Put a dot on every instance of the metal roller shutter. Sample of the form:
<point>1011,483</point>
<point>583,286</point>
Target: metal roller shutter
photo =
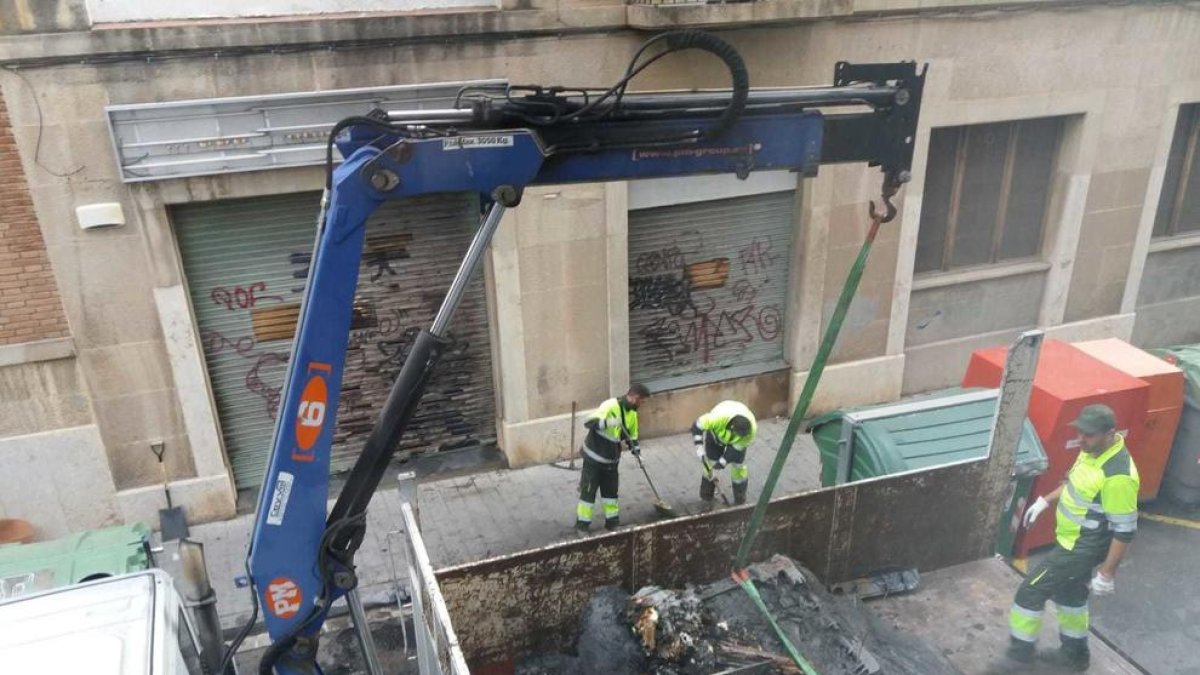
<point>708,289</point>
<point>246,261</point>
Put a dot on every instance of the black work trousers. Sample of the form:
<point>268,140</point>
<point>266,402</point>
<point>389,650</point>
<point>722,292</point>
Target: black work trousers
<point>605,478</point>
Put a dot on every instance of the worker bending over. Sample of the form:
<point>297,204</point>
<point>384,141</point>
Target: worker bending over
<point>612,427</point>
<point>721,437</point>
<point>1096,520</point>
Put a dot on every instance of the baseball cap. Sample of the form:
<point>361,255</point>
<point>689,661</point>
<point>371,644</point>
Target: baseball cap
<point>1095,419</point>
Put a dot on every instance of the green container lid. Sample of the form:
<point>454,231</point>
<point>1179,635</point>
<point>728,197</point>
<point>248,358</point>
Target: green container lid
<point>27,568</point>
<point>1187,359</point>
<point>926,431</point>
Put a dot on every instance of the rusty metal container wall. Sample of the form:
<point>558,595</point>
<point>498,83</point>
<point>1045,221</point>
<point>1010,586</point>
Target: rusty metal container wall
<point>509,606</point>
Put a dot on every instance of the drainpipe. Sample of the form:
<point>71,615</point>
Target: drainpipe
<point>191,580</point>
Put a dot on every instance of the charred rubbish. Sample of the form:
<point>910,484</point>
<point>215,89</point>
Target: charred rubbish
<point>716,628</point>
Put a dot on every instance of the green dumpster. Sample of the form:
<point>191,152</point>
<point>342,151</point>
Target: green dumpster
<point>930,430</point>
<point>27,568</point>
<point>1181,480</point>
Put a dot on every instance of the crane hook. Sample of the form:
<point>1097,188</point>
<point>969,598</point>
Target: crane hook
<point>889,190</point>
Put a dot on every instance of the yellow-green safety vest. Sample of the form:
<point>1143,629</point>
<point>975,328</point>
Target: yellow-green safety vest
<point>1099,499</point>
<point>716,421</point>
<point>611,419</point>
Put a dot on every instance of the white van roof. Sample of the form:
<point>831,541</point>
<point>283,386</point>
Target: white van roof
<point>104,627</point>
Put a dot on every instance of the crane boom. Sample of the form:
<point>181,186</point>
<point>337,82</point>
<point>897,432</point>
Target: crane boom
<point>495,143</point>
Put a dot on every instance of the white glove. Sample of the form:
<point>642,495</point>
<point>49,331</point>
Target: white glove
<point>700,451</point>
<point>1103,585</point>
<point>1034,510</point>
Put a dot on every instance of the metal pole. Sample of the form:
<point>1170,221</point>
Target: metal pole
<point>572,449</point>
<point>470,262</point>
<point>1016,388</point>
<point>867,94</point>
<point>635,105</point>
<point>362,630</point>
<point>406,490</point>
<point>438,633</point>
<point>427,662</point>
<point>184,560</point>
<point>437,116</point>
<point>845,450</point>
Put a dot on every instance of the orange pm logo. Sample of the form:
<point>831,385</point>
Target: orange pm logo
<point>283,598</point>
<point>310,416</point>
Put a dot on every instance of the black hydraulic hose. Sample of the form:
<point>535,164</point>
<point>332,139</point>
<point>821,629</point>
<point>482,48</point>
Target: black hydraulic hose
<point>675,41</point>
<point>243,633</point>
<point>558,114</point>
<point>375,123</point>
<point>694,39</point>
<point>284,644</point>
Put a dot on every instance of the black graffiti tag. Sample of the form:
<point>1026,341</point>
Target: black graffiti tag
<point>706,333</point>
<point>671,292</point>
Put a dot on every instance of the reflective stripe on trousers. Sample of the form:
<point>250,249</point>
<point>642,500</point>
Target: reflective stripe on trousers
<point>1024,624</point>
<point>1073,621</point>
<point>583,511</point>
<point>611,510</point>
<point>739,473</point>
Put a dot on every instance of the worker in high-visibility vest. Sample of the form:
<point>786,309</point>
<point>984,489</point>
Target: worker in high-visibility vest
<point>611,427</point>
<point>721,437</point>
<point>1096,520</point>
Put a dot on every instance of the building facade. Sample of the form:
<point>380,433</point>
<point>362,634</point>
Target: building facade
<point>1056,184</point>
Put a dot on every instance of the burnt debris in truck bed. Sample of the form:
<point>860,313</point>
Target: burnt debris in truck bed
<point>715,628</point>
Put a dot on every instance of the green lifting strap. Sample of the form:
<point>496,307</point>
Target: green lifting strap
<point>785,446</point>
<point>810,387</point>
<point>789,436</point>
<point>748,585</point>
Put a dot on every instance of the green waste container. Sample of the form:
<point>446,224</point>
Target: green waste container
<point>1181,480</point>
<point>948,426</point>
<point>83,556</point>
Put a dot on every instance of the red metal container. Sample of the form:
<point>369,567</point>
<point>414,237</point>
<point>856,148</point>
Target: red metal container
<point>1150,444</point>
<point>1067,379</point>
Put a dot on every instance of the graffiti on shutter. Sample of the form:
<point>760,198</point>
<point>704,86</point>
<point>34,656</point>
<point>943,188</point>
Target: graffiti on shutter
<point>247,262</point>
<point>708,287</point>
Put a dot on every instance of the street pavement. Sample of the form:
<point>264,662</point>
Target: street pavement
<point>478,516</point>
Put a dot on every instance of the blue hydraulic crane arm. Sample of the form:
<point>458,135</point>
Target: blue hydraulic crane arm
<point>301,560</point>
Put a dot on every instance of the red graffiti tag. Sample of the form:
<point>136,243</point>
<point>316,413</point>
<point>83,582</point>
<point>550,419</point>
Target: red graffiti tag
<point>242,297</point>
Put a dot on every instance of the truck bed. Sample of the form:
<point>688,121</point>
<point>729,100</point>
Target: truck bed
<point>963,609</point>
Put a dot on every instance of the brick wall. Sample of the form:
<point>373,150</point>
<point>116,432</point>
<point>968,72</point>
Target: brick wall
<point>30,309</point>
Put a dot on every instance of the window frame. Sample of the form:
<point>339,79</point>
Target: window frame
<point>1012,140</point>
<point>1176,193</point>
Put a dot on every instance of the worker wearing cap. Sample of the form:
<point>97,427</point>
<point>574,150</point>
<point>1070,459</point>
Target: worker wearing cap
<point>613,426</point>
<point>722,436</point>
<point>1096,521</point>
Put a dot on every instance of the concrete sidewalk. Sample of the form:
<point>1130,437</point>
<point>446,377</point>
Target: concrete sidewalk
<point>1154,617</point>
<point>469,518</point>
